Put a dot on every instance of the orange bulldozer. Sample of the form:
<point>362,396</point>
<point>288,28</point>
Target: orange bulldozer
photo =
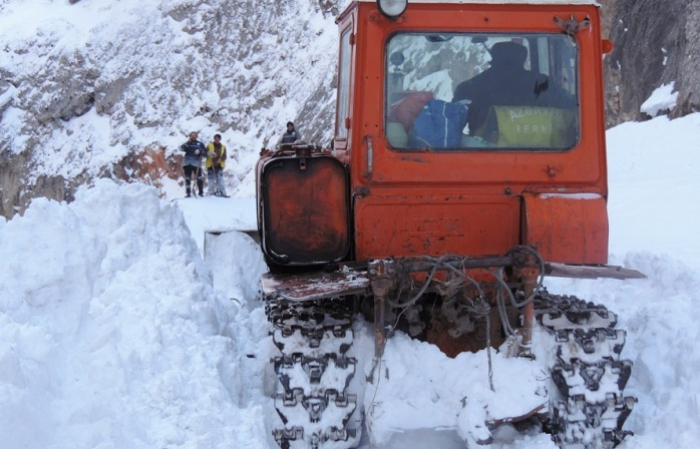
<point>467,163</point>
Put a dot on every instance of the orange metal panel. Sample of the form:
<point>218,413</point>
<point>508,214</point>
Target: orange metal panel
<point>435,225</point>
<point>567,228</point>
<point>408,211</point>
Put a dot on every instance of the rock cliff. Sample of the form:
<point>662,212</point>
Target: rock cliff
<point>656,43</point>
<point>92,89</point>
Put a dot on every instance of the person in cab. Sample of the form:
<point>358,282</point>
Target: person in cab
<point>507,83</point>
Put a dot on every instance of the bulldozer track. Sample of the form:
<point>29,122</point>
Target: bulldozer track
<point>313,372</point>
<point>588,408</point>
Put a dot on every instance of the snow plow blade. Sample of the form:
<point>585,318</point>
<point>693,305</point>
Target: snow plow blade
<point>590,271</point>
<point>348,281</point>
<point>314,286</point>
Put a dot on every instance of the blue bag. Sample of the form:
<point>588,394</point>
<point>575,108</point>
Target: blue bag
<point>439,125</point>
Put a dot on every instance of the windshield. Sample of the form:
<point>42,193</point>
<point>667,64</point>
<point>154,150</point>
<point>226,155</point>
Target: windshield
<point>461,91</point>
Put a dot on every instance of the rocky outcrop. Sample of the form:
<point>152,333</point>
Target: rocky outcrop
<point>656,43</point>
<point>151,167</point>
<point>16,193</point>
<point>79,101</point>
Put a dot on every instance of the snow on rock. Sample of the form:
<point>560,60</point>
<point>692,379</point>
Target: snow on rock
<point>662,99</point>
<point>82,85</point>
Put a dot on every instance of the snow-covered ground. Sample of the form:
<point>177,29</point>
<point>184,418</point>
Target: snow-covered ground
<point>116,332</point>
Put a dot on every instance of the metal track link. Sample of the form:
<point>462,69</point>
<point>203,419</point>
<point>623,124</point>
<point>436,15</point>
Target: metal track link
<point>314,373</point>
<point>587,371</point>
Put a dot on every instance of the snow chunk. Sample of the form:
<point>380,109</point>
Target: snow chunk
<point>661,99</point>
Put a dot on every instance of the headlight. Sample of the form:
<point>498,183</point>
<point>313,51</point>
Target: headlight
<point>392,8</point>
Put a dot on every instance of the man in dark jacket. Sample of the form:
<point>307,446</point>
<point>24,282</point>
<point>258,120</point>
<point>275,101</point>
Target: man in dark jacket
<point>192,165</point>
<point>290,136</point>
<point>507,83</point>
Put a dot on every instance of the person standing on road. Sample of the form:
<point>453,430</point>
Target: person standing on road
<point>216,160</point>
<point>192,165</point>
<point>290,136</point>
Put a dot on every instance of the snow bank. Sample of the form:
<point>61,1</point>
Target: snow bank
<point>653,176</point>
<point>112,335</point>
<point>237,265</point>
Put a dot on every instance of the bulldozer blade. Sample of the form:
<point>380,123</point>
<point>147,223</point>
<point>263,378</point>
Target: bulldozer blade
<point>590,271</point>
<point>314,286</point>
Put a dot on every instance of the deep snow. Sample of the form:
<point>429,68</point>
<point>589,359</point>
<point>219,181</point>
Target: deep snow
<point>116,332</point>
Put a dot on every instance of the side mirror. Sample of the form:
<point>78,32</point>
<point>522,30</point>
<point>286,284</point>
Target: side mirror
<point>608,46</point>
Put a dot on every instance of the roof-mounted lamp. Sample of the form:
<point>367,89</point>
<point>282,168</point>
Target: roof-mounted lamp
<point>392,8</point>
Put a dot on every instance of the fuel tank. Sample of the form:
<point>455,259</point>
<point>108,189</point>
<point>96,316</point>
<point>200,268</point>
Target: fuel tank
<point>303,210</point>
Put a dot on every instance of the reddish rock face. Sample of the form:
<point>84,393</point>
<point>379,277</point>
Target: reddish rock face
<point>150,167</point>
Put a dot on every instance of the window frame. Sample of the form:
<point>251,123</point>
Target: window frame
<point>343,102</point>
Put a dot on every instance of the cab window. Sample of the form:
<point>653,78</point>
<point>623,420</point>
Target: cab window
<point>464,92</point>
<point>342,111</point>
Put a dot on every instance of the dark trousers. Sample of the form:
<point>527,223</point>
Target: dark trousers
<point>192,170</point>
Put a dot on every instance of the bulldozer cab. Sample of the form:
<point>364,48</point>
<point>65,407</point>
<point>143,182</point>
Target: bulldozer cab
<point>471,127</point>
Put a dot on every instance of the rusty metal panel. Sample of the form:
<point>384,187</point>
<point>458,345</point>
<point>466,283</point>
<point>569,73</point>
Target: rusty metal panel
<point>314,286</point>
<point>567,228</point>
<point>305,211</point>
<point>402,226</point>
